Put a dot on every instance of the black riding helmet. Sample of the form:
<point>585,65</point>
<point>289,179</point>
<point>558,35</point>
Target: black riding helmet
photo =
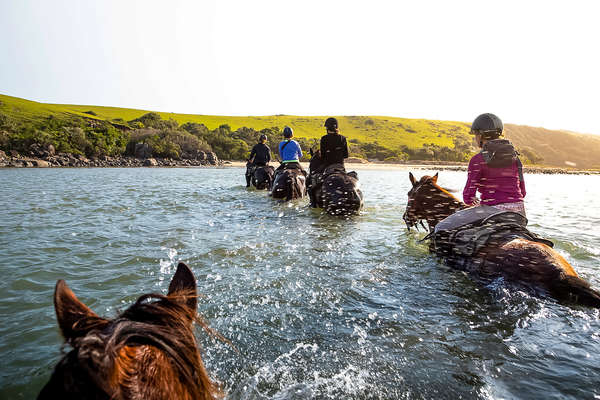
<point>488,126</point>
<point>331,124</point>
<point>263,137</point>
<point>287,132</point>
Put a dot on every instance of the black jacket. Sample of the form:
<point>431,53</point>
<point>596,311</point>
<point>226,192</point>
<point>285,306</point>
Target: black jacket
<point>334,149</point>
<point>261,154</point>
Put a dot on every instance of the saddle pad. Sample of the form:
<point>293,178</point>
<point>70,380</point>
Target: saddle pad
<point>467,216</point>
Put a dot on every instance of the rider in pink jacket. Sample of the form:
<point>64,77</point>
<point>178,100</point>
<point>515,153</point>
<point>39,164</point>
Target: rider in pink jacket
<point>496,171</point>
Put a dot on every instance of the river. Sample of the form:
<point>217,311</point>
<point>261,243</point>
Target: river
<point>318,307</point>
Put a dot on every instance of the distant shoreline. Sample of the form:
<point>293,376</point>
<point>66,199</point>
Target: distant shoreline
<point>71,161</point>
<point>440,167</point>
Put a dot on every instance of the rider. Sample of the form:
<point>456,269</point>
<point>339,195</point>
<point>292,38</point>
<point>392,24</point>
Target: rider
<point>334,148</point>
<point>496,171</point>
<point>259,156</point>
<point>290,152</point>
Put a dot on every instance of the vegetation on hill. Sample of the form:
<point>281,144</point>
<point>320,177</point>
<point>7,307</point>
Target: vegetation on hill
<point>95,130</point>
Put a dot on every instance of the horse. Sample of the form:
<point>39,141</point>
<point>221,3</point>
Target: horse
<point>333,189</point>
<point>289,184</point>
<point>263,176</point>
<point>518,260</point>
<point>148,352</point>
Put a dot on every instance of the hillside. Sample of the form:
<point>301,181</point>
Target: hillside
<point>371,136</point>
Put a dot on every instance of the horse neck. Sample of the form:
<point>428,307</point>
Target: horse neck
<point>443,205</point>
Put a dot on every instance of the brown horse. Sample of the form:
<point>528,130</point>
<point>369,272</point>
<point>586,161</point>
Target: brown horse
<point>289,184</point>
<point>528,263</point>
<point>332,188</point>
<point>147,352</point>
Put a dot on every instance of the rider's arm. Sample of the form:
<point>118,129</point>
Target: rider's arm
<point>522,187</point>
<point>299,151</point>
<point>268,154</point>
<point>474,176</point>
<point>252,153</point>
<point>323,148</point>
<point>345,148</point>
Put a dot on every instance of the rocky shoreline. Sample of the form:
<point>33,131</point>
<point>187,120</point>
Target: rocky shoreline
<point>47,157</point>
<point>526,169</point>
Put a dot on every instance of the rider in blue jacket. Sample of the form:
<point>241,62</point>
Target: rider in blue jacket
<point>289,152</point>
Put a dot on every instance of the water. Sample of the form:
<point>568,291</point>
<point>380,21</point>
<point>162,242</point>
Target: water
<point>318,307</point>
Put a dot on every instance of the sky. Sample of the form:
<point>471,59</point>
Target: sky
<point>529,62</point>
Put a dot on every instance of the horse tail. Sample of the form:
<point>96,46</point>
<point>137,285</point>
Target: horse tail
<point>574,289</point>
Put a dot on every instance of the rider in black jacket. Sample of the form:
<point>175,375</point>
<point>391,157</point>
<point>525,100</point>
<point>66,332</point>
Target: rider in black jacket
<point>259,156</point>
<point>334,147</point>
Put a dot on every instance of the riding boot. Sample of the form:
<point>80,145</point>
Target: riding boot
<point>247,180</point>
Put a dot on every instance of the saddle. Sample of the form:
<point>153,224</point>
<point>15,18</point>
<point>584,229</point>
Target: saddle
<point>317,178</point>
<point>467,231</point>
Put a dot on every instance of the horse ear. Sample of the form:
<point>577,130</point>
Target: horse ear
<point>184,281</point>
<point>310,151</point>
<point>72,315</point>
<point>434,179</point>
<point>412,178</point>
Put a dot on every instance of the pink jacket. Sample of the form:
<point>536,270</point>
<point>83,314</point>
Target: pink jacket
<point>496,185</point>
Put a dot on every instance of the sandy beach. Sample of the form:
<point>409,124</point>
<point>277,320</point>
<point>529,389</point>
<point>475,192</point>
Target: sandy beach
<point>440,167</point>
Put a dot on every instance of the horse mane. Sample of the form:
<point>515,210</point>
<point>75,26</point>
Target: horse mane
<point>446,193</point>
<point>166,324</point>
<point>148,351</point>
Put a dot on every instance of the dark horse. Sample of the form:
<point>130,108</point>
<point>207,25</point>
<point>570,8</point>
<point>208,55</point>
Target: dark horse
<point>289,184</point>
<point>332,188</point>
<point>262,177</point>
<point>532,264</point>
<point>147,352</point>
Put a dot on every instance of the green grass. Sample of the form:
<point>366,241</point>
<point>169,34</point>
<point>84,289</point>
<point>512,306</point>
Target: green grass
<point>557,148</point>
<point>389,131</point>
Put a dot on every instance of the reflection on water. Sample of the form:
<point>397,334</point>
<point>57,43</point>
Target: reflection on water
<point>318,307</point>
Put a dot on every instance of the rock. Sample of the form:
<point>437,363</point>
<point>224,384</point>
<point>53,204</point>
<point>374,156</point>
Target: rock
<point>150,162</point>
<point>142,150</point>
<point>14,153</point>
<point>212,158</point>
<point>35,150</point>
<point>2,155</point>
<point>41,163</point>
<point>50,150</point>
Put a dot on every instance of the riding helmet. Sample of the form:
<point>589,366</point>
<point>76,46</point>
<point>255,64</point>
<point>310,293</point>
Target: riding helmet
<point>331,124</point>
<point>287,132</point>
<point>487,125</point>
<point>263,137</point>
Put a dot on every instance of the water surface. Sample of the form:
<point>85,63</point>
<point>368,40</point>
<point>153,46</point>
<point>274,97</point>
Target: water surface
<point>318,307</point>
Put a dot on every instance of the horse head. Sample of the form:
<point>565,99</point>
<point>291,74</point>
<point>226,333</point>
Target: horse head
<point>428,201</point>
<point>148,352</point>
<point>263,177</point>
<point>315,160</point>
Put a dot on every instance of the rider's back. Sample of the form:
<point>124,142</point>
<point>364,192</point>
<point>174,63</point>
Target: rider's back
<point>496,185</point>
<point>261,154</point>
<point>334,149</point>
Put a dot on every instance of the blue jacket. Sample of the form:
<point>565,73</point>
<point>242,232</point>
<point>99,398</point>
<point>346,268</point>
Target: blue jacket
<point>291,152</point>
